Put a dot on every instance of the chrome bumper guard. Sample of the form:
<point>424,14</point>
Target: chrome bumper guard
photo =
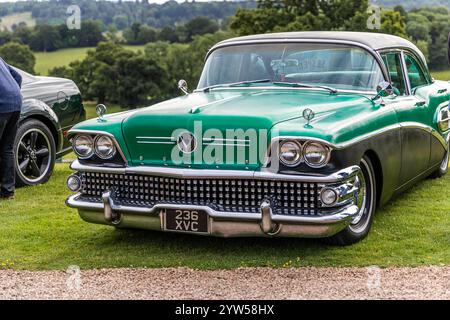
<point>228,224</point>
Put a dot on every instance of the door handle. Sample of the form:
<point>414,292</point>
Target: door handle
<point>420,104</point>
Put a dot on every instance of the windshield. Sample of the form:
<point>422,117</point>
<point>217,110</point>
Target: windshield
<point>338,66</point>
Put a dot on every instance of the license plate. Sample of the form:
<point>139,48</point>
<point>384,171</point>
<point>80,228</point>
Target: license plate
<point>195,221</point>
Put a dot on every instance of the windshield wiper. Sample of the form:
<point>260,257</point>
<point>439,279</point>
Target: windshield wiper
<point>235,84</point>
<point>304,85</point>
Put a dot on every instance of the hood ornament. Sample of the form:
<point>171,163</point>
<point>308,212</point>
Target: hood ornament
<point>308,115</point>
<point>101,111</point>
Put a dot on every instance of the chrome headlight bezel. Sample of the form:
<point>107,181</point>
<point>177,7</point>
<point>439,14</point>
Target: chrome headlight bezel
<point>298,150</point>
<point>75,147</point>
<point>326,158</point>
<point>112,146</point>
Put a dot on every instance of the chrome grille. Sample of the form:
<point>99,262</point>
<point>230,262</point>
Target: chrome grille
<point>228,195</point>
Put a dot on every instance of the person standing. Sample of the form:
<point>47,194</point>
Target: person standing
<point>10,106</point>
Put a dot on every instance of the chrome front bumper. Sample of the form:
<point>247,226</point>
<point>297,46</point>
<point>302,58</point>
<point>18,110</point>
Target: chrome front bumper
<point>228,224</point>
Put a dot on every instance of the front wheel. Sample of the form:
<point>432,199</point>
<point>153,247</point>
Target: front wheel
<point>443,167</point>
<point>35,153</point>
<point>362,222</point>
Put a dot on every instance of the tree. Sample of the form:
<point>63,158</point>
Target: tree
<point>393,23</point>
<point>301,15</point>
<point>45,38</point>
<point>168,34</point>
<point>418,27</point>
<point>114,74</point>
<point>112,34</point>
<point>259,21</point>
<point>18,55</point>
<point>200,26</point>
<point>146,35</point>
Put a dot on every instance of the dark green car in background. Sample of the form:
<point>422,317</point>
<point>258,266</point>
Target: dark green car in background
<point>51,106</point>
<point>296,134</point>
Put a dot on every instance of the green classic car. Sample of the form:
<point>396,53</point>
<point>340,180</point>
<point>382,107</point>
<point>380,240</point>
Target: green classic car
<point>297,134</point>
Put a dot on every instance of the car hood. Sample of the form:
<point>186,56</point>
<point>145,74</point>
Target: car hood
<point>239,122</point>
<point>47,88</point>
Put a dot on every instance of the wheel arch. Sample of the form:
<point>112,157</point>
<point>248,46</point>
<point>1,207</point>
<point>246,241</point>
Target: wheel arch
<point>378,170</point>
<point>49,124</point>
<point>38,110</point>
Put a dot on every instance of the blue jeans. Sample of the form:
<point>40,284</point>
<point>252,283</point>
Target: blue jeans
<point>9,123</point>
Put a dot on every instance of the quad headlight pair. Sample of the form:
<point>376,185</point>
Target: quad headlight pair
<point>85,146</point>
<point>314,154</point>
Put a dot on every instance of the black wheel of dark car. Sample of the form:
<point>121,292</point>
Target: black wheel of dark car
<point>361,224</point>
<point>34,153</point>
<point>443,167</point>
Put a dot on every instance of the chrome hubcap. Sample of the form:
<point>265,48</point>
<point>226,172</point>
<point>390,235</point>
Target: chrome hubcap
<point>33,155</point>
<point>444,164</point>
<point>362,219</point>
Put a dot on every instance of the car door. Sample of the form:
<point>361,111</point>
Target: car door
<point>411,113</point>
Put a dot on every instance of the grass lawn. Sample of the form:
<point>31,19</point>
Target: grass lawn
<point>441,75</point>
<point>48,60</point>
<point>39,232</point>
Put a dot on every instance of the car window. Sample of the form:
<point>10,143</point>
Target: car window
<point>393,62</point>
<point>339,66</point>
<point>415,74</point>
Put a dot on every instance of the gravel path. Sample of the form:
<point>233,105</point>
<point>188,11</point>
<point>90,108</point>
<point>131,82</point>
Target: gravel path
<point>244,283</point>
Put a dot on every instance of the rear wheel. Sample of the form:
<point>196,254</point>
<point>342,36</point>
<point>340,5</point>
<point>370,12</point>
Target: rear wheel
<point>35,153</point>
<point>362,222</point>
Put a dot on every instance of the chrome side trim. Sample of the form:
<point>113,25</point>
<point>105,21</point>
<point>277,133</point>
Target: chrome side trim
<point>98,132</point>
<point>405,73</point>
<point>219,174</point>
<point>343,214</point>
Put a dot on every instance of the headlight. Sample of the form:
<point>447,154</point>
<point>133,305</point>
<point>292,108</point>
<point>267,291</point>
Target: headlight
<point>316,154</point>
<point>290,153</point>
<point>328,196</point>
<point>74,183</point>
<point>83,146</point>
<point>105,147</point>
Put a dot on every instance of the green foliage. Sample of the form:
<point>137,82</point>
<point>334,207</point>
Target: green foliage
<point>200,26</point>
<point>393,23</point>
<point>301,15</point>
<point>429,28</point>
<point>18,55</point>
<point>412,4</point>
<point>45,38</point>
<point>122,14</point>
<point>182,61</point>
<point>139,34</point>
<point>113,73</point>
<point>50,38</point>
<point>261,20</point>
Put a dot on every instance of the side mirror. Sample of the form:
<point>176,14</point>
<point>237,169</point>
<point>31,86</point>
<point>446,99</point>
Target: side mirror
<point>182,85</point>
<point>384,89</point>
